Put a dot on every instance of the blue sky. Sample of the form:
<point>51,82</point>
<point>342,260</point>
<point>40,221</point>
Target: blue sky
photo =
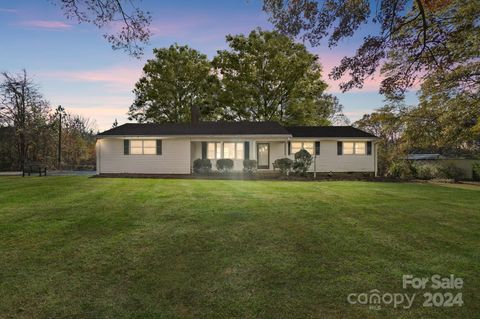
<point>75,67</point>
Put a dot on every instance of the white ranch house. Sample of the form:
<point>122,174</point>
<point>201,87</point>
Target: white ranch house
<point>172,148</point>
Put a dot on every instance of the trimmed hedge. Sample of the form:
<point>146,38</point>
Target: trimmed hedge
<point>284,165</point>
<point>202,166</point>
<point>249,166</point>
<point>224,165</point>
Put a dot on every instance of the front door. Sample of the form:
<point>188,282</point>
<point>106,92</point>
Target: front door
<point>263,155</point>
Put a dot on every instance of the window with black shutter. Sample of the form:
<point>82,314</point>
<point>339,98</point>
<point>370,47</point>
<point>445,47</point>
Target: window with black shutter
<point>369,148</point>
<point>246,149</point>
<point>289,147</point>
<point>204,150</point>
<point>339,148</point>
<point>159,147</point>
<point>317,148</point>
<point>126,147</point>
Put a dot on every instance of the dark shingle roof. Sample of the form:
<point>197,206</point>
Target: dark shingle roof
<point>233,128</point>
<point>202,128</point>
<point>327,131</point>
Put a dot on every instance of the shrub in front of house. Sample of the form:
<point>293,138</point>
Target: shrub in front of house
<point>284,165</point>
<point>302,163</point>
<point>224,165</point>
<point>202,166</point>
<point>249,166</point>
<point>451,171</point>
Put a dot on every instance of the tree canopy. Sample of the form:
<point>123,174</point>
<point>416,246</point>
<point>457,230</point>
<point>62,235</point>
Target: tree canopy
<point>264,76</point>
<point>414,40</point>
<point>267,76</point>
<point>175,80</point>
<point>132,23</point>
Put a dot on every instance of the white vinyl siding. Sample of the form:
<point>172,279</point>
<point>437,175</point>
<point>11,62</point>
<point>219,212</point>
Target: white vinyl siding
<point>329,161</point>
<point>175,158</point>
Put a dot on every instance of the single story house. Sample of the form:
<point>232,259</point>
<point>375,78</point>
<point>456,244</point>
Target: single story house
<point>171,148</point>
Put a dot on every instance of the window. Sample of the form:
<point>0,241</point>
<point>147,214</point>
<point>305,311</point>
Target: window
<point>297,146</point>
<point>348,148</point>
<point>143,147</point>
<point>229,150</point>
<point>360,148</point>
<point>308,147</point>
<point>239,148</point>
<point>219,150</point>
<point>150,147</point>
<point>354,148</point>
<point>211,150</point>
<point>136,147</point>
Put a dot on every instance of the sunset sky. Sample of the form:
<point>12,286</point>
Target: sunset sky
<point>75,67</point>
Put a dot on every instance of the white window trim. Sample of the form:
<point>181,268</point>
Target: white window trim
<point>143,147</point>
<point>303,147</point>
<point>354,148</point>
<point>222,154</point>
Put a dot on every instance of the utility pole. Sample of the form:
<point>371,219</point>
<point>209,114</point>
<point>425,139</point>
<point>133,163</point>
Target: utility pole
<point>60,110</point>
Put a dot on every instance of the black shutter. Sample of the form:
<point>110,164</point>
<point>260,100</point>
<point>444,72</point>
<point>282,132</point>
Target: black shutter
<point>289,148</point>
<point>369,148</point>
<point>339,148</point>
<point>246,149</point>
<point>204,150</point>
<point>159,147</point>
<point>317,148</point>
<point>126,147</point>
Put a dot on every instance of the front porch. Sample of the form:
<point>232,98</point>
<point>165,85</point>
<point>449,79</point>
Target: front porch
<point>264,151</point>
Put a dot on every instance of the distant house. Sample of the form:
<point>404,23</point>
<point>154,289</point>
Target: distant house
<point>464,164</point>
<point>172,148</point>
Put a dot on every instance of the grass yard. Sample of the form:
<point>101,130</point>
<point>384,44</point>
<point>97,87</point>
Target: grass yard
<point>80,247</point>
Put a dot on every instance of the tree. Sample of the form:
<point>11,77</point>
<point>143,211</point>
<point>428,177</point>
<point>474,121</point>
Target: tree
<point>447,120</point>
<point>78,141</point>
<point>387,124</point>
<point>416,34</point>
<point>29,128</point>
<point>23,108</point>
<point>265,76</point>
<point>131,22</point>
<point>175,80</point>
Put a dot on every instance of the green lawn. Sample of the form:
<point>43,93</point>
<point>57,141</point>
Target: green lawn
<point>81,247</point>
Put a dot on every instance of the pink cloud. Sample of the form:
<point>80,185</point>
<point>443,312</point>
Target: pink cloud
<point>101,109</point>
<point>330,60</point>
<point>123,78</point>
<point>45,24</point>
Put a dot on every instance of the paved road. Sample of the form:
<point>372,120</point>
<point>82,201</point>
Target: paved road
<point>53,173</point>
